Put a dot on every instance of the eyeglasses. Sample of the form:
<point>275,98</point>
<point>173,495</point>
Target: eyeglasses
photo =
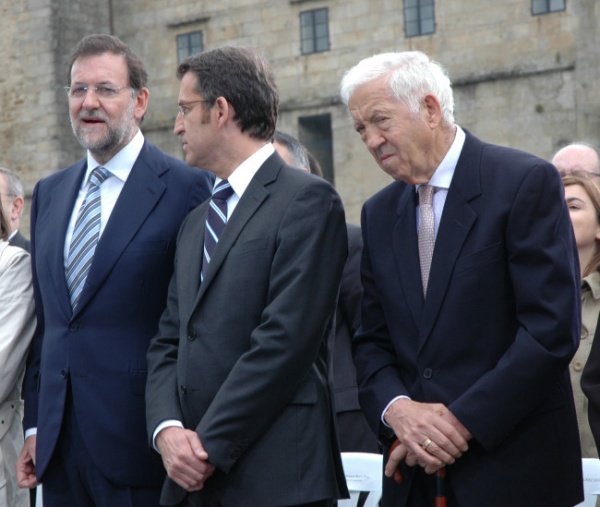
<point>101,91</point>
<point>185,108</point>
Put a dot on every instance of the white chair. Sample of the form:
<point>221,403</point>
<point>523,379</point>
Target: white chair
<point>591,482</point>
<point>38,496</point>
<point>364,472</point>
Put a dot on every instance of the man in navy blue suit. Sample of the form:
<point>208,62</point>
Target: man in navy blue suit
<point>84,387</point>
<point>462,356</point>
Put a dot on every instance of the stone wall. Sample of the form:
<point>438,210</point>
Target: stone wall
<point>530,82</point>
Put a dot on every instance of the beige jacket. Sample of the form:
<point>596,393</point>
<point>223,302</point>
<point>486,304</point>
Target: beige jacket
<point>590,309</point>
<point>17,324</point>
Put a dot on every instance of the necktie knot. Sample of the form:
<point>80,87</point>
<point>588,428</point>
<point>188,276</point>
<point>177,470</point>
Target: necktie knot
<point>216,219</point>
<point>222,191</point>
<point>426,195</point>
<point>99,175</point>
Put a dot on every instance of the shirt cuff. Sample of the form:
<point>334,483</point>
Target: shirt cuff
<point>389,405</point>
<point>168,423</point>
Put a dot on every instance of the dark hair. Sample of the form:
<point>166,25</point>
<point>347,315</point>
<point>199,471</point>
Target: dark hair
<point>4,229</point>
<point>243,77</point>
<point>98,44</point>
<point>314,165</point>
<point>298,152</point>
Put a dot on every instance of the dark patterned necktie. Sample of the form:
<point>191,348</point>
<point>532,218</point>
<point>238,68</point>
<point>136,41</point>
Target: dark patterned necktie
<point>216,219</point>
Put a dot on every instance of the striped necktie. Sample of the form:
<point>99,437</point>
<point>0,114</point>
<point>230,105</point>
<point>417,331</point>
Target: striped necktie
<point>85,236</point>
<point>216,219</point>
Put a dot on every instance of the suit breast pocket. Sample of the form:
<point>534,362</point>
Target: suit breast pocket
<point>252,247</point>
<point>482,258</point>
<point>157,246</point>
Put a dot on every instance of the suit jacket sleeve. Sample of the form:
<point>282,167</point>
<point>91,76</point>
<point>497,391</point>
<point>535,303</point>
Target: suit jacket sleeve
<point>543,268</point>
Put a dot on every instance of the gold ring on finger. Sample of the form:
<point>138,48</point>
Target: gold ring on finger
<point>425,444</point>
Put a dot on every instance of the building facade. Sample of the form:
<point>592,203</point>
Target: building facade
<point>525,72</point>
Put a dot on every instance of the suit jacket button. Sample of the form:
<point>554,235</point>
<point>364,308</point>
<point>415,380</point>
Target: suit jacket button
<point>427,373</point>
<point>191,336</point>
<point>63,373</point>
<point>74,326</point>
<point>183,389</point>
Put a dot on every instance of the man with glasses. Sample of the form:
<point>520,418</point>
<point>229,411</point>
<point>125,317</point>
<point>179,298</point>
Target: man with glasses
<point>103,239</point>
<point>12,198</point>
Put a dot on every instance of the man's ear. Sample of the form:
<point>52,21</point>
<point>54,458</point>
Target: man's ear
<point>433,110</point>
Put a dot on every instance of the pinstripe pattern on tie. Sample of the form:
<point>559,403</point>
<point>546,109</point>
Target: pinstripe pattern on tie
<point>216,218</point>
<point>426,232</point>
<point>85,236</point>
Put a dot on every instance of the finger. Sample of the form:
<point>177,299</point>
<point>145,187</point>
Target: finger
<point>394,459</point>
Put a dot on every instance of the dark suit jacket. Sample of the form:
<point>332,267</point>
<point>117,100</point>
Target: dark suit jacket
<point>101,347</point>
<point>495,335</point>
<point>242,358</point>
<point>355,434</point>
<point>21,241</point>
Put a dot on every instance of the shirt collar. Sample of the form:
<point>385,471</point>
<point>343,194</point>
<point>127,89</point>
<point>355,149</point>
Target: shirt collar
<point>122,163</point>
<point>442,177</point>
<point>242,175</point>
<point>593,282</point>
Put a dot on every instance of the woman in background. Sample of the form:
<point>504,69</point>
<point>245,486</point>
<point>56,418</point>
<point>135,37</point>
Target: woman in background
<point>583,200</point>
<point>17,323</point>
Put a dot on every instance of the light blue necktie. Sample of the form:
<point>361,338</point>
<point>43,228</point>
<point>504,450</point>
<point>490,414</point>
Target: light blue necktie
<point>85,236</point>
<point>216,219</point>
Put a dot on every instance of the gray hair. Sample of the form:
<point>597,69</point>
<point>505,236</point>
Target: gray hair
<point>411,75</point>
<point>15,187</point>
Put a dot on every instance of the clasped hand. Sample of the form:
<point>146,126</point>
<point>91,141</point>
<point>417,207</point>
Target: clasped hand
<point>184,457</point>
<point>429,435</point>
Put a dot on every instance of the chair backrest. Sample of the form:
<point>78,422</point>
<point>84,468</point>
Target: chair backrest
<point>364,473</point>
<point>591,482</point>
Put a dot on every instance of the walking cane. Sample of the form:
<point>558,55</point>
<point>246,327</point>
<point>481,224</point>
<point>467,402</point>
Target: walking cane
<point>440,476</point>
<point>440,493</point>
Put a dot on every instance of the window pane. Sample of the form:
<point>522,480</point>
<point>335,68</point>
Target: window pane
<point>411,15</point>
<point>557,5</point>
<point>412,28</point>
<point>539,6</point>
<point>321,31</point>
<point>307,32</point>
<point>308,46</point>
<point>427,12</point>
<point>322,44</point>
<point>411,3</point>
<point>427,26</point>
<point>306,18</point>
<point>321,16</point>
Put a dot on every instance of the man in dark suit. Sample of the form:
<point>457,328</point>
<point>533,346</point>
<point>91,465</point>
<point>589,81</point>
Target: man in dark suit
<point>354,432</point>
<point>462,357</point>
<point>237,397</point>
<point>84,387</point>
<point>12,199</point>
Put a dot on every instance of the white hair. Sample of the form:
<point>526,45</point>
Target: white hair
<point>411,76</point>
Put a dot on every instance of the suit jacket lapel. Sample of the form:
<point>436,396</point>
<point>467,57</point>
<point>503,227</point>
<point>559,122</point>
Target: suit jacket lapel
<point>253,197</point>
<point>406,252</point>
<point>142,190</point>
<point>457,220</point>
<point>62,199</point>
